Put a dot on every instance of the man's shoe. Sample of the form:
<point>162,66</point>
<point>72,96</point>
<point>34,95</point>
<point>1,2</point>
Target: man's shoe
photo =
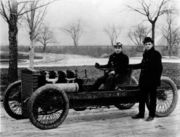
<point>149,118</point>
<point>138,116</point>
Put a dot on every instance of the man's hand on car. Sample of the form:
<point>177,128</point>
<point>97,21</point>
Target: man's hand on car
<point>97,65</point>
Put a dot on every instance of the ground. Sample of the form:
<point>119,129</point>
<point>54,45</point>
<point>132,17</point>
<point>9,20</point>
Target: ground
<point>101,122</point>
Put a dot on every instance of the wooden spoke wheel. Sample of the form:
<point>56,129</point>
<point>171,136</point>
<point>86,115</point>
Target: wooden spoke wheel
<point>166,97</point>
<point>12,100</point>
<point>48,107</point>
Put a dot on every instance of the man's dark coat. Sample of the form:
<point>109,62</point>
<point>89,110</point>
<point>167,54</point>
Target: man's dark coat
<point>151,69</point>
<point>119,62</point>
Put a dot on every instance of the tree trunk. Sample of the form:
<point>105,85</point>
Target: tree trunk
<point>170,41</point>
<point>31,55</point>
<point>153,32</point>
<point>170,50</point>
<point>13,49</point>
<point>75,43</point>
<point>112,42</point>
<point>44,47</point>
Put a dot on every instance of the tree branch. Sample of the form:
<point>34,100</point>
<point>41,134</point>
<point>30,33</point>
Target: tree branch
<point>3,13</point>
<point>159,12</point>
<point>137,10</point>
<point>20,14</point>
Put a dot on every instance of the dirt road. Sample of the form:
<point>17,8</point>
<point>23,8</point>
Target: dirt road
<point>102,122</point>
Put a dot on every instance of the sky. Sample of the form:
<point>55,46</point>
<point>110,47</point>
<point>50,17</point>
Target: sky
<point>95,15</point>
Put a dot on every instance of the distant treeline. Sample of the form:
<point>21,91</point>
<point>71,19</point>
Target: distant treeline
<point>95,51</point>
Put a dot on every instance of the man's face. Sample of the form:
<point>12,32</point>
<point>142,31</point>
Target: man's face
<point>117,49</point>
<point>148,45</point>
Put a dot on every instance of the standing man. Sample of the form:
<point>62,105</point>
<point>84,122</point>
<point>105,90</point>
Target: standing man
<point>151,70</point>
<point>117,66</point>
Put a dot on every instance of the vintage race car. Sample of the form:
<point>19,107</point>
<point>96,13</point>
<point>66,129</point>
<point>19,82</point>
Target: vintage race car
<point>45,97</point>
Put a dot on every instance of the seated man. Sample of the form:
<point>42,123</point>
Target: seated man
<point>117,66</point>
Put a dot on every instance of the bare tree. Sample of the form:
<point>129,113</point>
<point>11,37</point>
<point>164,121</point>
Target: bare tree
<point>34,19</point>
<point>138,34</point>
<point>11,11</point>
<point>75,31</point>
<point>113,33</point>
<point>152,9</point>
<point>171,33</point>
<point>45,37</point>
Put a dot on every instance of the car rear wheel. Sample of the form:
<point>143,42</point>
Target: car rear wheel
<point>167,97</point>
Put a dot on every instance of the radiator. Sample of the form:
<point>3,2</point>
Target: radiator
<point>30,82</point>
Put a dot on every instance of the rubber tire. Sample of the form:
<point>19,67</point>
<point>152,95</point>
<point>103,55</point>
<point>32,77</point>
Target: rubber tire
<point>6,100</point>
<point>174,101</point>
<point>31,104</point>
<point>124,106</point>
